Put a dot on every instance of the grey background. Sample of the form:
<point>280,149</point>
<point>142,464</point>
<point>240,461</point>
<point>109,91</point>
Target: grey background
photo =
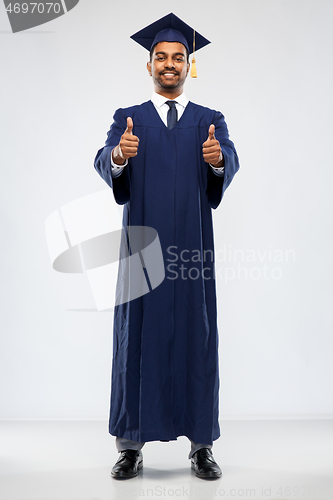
<point>269,70</point>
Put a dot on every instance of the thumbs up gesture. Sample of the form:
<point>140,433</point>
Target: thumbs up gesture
<point>128,145</point>
<point>211,149</point>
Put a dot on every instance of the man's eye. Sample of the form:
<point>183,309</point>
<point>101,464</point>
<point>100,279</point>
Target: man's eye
<point>179,59</point>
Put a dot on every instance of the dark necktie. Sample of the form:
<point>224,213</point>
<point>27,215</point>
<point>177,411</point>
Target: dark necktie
<point>172,114</point>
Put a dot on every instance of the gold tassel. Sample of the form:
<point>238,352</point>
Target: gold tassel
<point>193,67</point>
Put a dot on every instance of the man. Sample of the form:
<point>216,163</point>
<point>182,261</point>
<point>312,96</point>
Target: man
<point>169,162</point>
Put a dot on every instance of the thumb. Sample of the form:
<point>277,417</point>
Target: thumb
<point>129,125</point>
<point>211,132</point>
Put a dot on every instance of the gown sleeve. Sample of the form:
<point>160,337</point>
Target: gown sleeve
<point>102,163</point>
<point>216,186</point>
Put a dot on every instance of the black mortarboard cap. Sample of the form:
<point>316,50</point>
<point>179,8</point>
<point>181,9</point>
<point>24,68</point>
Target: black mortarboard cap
<point>170,29</point>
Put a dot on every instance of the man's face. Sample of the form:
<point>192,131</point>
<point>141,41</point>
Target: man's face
<point>169,66</point>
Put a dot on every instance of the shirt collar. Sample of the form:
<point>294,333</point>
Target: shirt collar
<point>158,100</point>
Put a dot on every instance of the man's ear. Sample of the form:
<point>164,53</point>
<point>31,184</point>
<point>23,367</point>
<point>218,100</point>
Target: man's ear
<point>188,68</point>
<point>149,67</point>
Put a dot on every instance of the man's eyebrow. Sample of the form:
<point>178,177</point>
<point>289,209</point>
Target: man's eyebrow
<point>175,54</point>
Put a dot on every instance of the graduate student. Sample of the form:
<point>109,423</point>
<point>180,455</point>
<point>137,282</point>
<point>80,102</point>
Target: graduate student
<point>169,162</point>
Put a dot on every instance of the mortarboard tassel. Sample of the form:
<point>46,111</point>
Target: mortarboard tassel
<point>193,67</point>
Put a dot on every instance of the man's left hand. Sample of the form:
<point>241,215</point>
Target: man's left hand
<point>211,149</point>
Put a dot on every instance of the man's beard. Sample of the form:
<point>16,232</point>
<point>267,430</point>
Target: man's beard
<point>165,84</point>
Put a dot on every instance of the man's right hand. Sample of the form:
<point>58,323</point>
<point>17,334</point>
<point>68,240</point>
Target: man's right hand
<point>128,145</point>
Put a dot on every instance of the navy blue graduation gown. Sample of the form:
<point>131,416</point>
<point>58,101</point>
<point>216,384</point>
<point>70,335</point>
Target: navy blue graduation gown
<point>165,376</point>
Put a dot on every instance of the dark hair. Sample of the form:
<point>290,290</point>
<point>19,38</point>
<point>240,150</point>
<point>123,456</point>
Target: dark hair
<point>153,48</point>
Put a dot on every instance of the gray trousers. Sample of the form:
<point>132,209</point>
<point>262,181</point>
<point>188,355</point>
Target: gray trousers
<point>125,444</point>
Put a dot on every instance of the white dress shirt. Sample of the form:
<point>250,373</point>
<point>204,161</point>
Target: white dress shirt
<point>162,109</point>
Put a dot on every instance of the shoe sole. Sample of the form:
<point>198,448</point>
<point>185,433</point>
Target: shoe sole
<point>128,476</point>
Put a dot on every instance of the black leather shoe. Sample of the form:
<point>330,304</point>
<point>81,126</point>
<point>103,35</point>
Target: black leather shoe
<point>128,464</point>
<point>204,465</point>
